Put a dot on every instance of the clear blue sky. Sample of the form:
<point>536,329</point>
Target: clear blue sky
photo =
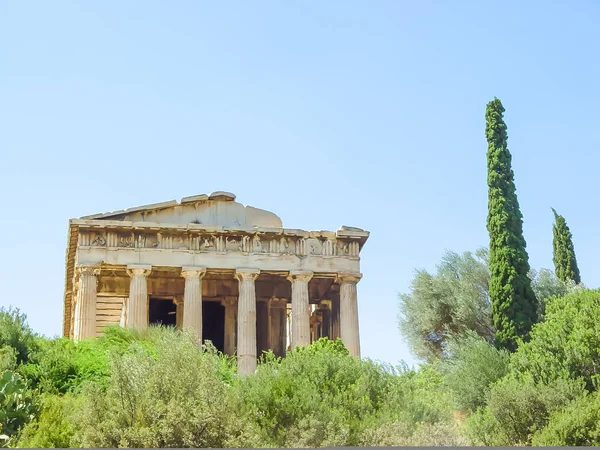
<point>363,113</point>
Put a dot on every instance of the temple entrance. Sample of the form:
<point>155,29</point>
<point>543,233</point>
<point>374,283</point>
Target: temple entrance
<point>213,324</point>
<point>162,311</point>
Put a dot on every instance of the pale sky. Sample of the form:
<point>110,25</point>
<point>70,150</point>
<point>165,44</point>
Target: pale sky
<point>367,114</point>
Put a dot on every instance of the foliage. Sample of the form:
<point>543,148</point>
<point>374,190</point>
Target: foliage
<point>455,300</point>
<point>557,366</point>
<point>320,396</point>
<point>517,409</point>
<point>8,359</point>
<point>446,304</point>
<point>576,425</point>
<point>567,344</point>
<point>174,396</point>
<point>472,367</point>
<point>15,333</point>
<point>55,425</point>
<point>16,403</point>
<point>61,365</point>
<point>398,434</point>
<point>514,305</point>
<point>565,262</point>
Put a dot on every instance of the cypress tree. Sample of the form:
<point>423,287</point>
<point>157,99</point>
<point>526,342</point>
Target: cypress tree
<point>565,263</point>
<point>514,305</point>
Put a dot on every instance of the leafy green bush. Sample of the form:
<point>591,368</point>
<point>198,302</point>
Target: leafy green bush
<point>518,408</point>
<point>320,396</point>
<point>55,426</point>
<point>472,366</point>
<point>15,333</point>
<point>8,359</point>
<point>61,365</point>
<point>567,344</point>
<point>576,425</point>
<point>174,395</point>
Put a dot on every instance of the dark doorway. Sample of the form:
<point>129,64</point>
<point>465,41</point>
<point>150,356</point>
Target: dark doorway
<point>162,312</point>
<point>213,324</point>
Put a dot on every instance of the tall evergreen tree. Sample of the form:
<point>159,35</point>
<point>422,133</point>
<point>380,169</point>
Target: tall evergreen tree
<point>565,263</point>
<point>514,305</point>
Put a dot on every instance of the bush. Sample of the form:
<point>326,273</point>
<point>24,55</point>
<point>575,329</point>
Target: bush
<point>54,427</point>
<point>61,365</point>
<point>567,344</point>
<point>15,333</point>
<point>320,396</point>
<point>576,425</point>
<point>8,359</point>
<point>174,395</point>
<point>472,367</point>
<point>517,409</point>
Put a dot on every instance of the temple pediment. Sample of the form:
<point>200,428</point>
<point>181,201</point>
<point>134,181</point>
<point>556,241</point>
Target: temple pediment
<point>218,208</point>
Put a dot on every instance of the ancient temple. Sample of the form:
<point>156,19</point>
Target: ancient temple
<point>230,272</point>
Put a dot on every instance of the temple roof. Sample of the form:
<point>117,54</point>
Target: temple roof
<point>218,208</point>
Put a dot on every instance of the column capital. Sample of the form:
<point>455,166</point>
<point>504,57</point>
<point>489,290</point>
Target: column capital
<point>229,301</point>
<point>84,269</point>
<point>139,269</point>
<point>299,275</point>
<point>193,271</point>
<point>247,274</point>
<point>348,277</point>
<point>326,303</point>
<point>276,302</point>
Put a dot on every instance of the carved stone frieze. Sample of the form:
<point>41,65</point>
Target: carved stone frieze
<point>250,243</point>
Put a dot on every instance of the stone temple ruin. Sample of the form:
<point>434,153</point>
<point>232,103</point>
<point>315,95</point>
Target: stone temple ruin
<point>231,272</point>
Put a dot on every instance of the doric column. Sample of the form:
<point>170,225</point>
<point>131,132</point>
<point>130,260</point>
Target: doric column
<point>349,311</point>
<point>192,298</point>
<point>230,304</point>
<point>300,308</point>
<point>137,305</point>
<point>85,306</point>
<point>246,336</point>
<point>277,325</point>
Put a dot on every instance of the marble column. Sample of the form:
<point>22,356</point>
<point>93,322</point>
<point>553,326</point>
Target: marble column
<point>277,325</point>
<point>246,336</point>
<point>349,311</point>
<point>300,308</point>
<point>137,305</point>
<point>192,298</point>
<point>230,304</point>
<point>85,302</point>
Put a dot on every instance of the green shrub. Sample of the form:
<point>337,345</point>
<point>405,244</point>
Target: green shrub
<point>54,427</point>
<point>320,396</point>
<point>172,396</point>
<point>8,359</point>
<point>576,425</point>
<point>60,365</point>
<point>15,333</point>
<point>472,366</point>
<point>567,344</point>
<point>518,408</point>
